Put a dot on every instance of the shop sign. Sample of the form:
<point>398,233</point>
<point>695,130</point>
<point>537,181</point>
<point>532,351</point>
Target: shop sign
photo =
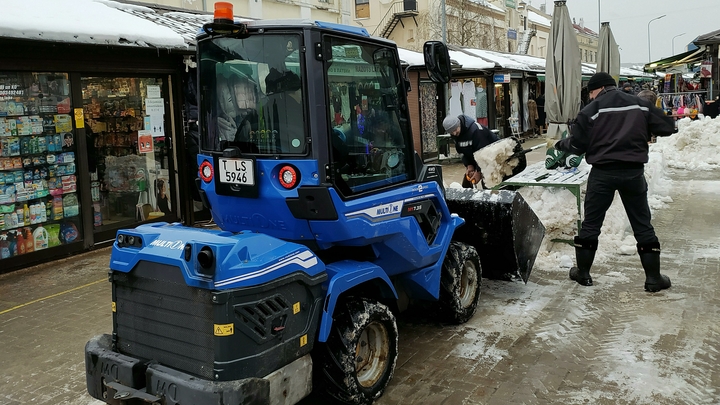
<point>510,3</point>
<point>145,141</point>
<point>512,34</point>
<point>706,68</point>
<point>501,78</point>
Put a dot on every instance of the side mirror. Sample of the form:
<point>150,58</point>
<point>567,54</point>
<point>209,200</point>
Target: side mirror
<point>437,61</point>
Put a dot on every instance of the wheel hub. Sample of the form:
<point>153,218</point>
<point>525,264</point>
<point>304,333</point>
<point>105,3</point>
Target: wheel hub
<point>468,284</point>
<point>371,354</point>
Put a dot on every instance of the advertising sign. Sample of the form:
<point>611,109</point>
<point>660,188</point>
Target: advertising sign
<point>145,141</point>
<point>501,78</point>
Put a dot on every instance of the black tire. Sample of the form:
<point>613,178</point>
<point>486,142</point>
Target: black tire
<point>460,283</point>
<point>357,362</point>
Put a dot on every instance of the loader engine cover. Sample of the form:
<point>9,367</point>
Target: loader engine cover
<point>501,226</point>
<point>248,309</point>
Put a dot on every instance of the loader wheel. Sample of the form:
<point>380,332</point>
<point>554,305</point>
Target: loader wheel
<point>358,359</point>
<point>460,283</point>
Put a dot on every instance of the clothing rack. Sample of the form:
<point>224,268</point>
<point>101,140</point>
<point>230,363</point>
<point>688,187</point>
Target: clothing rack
<point>681,93</point>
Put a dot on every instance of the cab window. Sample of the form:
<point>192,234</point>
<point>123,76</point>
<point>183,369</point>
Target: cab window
<point>370,140</point>
<point>252,95</point>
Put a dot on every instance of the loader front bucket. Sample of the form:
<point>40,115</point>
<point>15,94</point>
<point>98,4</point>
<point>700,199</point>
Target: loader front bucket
<point>501,226</point>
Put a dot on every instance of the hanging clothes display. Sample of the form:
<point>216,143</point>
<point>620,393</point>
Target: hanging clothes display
<point>682,104</point>
<point>515,102</point>
<point>469,102</point>
<point>455,102</point>
<point>345,99</point>
<point>532,115</point>
<point>481,107</point>
<point>526,115</point>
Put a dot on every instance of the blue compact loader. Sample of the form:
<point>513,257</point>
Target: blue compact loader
<point>330,225</point>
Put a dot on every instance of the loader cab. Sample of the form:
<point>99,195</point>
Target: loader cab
<point>292,105</point>
<point>266,96</point>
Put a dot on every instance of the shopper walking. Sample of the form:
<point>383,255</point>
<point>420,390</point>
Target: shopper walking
<point>469,137</point>
<point>613,133</point>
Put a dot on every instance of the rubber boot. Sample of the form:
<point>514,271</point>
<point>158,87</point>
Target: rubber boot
<point>584,254</point>
<point>650,259</point>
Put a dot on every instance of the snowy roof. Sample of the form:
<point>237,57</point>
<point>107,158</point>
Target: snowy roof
<point>584,30</point>
<point>100,22</point>
<point>709,38</point>
<point>511,61</point>
<point>411,58</point>
<point>184,24</point>
<point>489,5</point>
<point>624,71</point>
<point>539,19</point>
<point>468,61</point>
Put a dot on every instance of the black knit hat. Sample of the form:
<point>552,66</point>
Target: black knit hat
<point>600,79</point>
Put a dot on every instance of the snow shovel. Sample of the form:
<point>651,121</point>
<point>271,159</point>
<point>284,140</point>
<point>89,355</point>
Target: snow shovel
<point>501,226</point>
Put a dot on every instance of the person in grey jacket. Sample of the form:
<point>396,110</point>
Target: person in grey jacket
<point>469,136</point>
<point>613,132</point>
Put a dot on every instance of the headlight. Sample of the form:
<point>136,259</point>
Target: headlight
<point>128,241</point>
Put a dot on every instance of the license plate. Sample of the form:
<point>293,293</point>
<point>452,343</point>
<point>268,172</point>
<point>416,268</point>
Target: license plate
<point>236,171</point>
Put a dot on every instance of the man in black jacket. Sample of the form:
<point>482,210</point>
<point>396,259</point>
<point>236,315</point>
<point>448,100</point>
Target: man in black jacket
<point>469,136</point>
<point>613,131</point>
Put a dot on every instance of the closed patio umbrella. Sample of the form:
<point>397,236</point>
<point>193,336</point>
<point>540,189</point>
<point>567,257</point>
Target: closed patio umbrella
<point>608,59</point>
<point>563,73</point>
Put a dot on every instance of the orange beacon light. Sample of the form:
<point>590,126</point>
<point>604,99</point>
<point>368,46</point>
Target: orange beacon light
<point>223,12</point>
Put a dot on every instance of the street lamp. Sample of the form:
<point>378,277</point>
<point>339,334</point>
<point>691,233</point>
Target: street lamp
<point>656,18</point>
<point>673,41</point>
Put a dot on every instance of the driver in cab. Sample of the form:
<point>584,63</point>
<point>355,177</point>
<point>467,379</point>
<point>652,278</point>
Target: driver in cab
<point>237,117</point>
<point>385,143</point>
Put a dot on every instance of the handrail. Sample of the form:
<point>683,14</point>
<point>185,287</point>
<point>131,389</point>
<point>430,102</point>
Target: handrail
<point>394,9</point>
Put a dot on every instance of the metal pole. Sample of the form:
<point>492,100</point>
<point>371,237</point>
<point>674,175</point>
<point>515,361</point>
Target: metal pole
<point>656,18</point>
<point>443,13</point>
<point>445,91</point>
<point>673,41</point>
<point>599,23</point>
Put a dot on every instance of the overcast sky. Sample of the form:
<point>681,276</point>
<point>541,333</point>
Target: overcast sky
<point>629,23</point>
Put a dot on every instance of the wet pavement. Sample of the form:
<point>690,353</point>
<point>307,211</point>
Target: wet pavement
<point>550,341</point>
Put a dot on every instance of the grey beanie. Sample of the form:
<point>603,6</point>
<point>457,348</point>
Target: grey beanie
<point>450,123</point>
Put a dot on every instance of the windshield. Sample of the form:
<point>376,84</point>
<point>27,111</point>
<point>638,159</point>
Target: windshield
<point>371,145</point>
<point>252,94</point>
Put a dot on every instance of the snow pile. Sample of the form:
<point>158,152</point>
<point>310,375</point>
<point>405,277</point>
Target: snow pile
<point>556,208</point>
<point>495,161</point>
<point>658,183</point>
<point>694,147</point>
